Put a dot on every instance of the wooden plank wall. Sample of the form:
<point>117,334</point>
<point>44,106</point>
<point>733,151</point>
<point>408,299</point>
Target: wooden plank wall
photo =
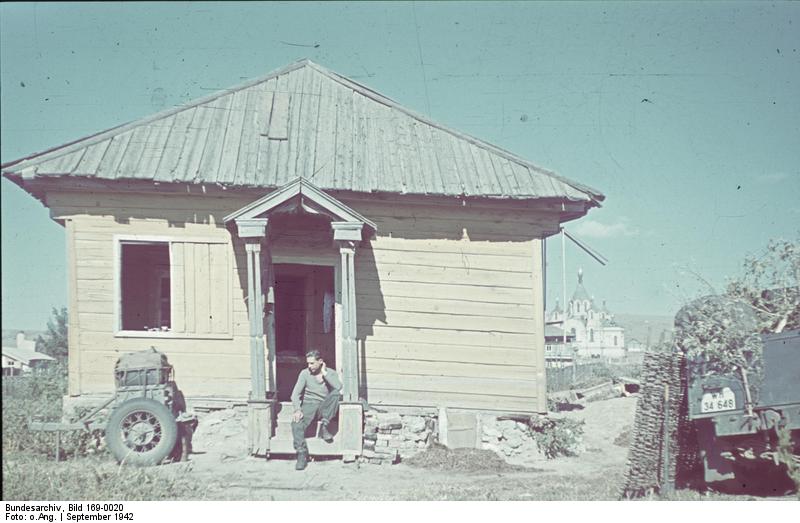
<point>448,307</point>
<point>212,356</point>
<point>448,297</point>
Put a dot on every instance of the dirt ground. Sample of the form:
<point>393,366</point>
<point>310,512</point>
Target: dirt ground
<point>597,473</point>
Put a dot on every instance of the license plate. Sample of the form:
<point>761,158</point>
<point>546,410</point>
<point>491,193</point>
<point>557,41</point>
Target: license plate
<point>719,400</point>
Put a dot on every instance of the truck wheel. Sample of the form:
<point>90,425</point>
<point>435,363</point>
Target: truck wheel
<point>141,432</point>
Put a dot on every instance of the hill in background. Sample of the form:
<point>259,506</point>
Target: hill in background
<point>638,325</point>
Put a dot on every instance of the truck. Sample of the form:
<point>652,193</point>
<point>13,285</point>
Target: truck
<point>740,423</point>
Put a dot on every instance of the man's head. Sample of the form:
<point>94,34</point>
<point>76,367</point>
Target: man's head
<point>314,361</point>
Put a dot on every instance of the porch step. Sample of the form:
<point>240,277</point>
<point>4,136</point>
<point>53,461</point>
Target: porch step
<point>281,442</point>
<point>316,446</point>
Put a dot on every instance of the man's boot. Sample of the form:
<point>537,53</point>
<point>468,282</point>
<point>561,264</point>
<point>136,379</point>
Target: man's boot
<point>324,434</point>
<point>302,460</point>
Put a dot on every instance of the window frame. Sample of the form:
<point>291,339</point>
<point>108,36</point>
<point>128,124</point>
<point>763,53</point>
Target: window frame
<point>121,239</point>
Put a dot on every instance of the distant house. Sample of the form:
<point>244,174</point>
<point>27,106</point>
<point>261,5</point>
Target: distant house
<point>596,334</point>
<point>634,351</point>
<point>558,349</point>
<point>23,358</point>
<point>304,210</point>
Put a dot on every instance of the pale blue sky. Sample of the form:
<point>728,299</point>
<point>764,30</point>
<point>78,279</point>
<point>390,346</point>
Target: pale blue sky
<point>686,115</point>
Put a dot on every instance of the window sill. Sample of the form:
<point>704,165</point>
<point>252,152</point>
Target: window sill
<point>172,335</point>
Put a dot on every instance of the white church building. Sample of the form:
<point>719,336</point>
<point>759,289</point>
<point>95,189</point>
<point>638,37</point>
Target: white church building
<point>594,331</point>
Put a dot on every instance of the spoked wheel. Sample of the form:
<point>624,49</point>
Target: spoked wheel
<point>141,432</point>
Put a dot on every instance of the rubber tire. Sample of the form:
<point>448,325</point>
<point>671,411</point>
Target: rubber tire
<point>163,417</point>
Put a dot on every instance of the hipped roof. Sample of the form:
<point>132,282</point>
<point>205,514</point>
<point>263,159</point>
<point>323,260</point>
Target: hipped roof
<point>301,121</point>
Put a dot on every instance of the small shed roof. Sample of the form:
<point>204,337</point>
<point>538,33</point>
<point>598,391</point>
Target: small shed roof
<point>302,121</point>
<point>25,355</point>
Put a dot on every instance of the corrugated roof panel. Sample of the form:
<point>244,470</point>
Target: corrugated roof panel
<point>303,120</point>
<point>393,182</point>
<point>360,139</point>
<point>132,157</point>
<point>114,155</point>
<point>344,137</point>
<point>296,80</point>
<point>324,158</point>
<point>309,125</point>
<point>208,170</point>
<point>449,180</point>
<point>233,137</point>
<point>245,173</point>
<point>154,147</point>
<point>173,147</point>
<point>485,172</point>
<point>424,176</point>
<point>465,166</point>
<point>94,154</point>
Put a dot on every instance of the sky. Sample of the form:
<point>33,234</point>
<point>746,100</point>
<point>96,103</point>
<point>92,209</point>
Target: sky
<point>685,115</point>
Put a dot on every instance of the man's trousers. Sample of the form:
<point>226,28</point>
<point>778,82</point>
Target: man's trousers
<point>313,410</point>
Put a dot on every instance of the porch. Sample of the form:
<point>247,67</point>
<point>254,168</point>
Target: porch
<point>293,306</point>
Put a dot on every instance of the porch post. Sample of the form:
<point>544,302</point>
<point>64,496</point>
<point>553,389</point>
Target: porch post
<point>253,231</point>
<point>347,235</point>
<point>258,375</point>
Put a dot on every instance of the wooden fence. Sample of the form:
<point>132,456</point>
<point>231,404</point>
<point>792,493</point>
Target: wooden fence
<point>587,374</point>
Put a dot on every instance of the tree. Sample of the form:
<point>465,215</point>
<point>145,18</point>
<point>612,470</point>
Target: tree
<point>55,341</point>
<point>771,286</point>
<point>721,332</point>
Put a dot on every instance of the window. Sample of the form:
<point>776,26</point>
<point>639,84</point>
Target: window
<point>145,290</point>
<point>591,335</point>
<point>173,287</point>
<point>615,341</point>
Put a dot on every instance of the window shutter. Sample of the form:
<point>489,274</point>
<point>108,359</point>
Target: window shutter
<point>201,284</point>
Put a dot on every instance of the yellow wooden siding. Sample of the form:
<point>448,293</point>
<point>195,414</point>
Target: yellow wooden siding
<point>204,367</point>
<point>449,328</point>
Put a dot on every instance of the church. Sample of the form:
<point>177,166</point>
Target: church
<point>592,331</point>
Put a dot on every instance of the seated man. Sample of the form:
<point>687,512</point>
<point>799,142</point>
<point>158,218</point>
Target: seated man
<point>319,387</point>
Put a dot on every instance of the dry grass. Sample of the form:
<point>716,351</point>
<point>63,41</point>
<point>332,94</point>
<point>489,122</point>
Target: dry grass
<point>439,457</point>
<point>515,486</point>
<point>34,477</point>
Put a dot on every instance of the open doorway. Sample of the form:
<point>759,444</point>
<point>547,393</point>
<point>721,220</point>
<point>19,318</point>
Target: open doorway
<point>304,320</point>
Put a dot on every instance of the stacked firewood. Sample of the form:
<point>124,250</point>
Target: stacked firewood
<point>663,449</point>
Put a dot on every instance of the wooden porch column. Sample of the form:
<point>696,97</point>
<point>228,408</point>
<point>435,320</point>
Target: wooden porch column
<point>347,235</point>
<point>253,231</point>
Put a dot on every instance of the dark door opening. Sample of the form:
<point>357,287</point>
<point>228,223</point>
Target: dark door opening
<point>304,320</point>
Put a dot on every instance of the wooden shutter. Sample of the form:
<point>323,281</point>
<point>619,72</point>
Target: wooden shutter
<point>201,286</point>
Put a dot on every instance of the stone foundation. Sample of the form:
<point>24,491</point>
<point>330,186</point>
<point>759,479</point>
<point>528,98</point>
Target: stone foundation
<point>509,438</point>
<point>391,436</point>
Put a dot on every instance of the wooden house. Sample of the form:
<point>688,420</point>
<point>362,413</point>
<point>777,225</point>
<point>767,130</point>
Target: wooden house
<point>304,210</point>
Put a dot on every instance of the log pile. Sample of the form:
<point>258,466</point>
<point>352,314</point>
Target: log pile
<point>663,452</point>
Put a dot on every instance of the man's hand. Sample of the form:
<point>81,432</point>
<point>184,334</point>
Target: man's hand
<point>297,416</point>
<point>323,369</point>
